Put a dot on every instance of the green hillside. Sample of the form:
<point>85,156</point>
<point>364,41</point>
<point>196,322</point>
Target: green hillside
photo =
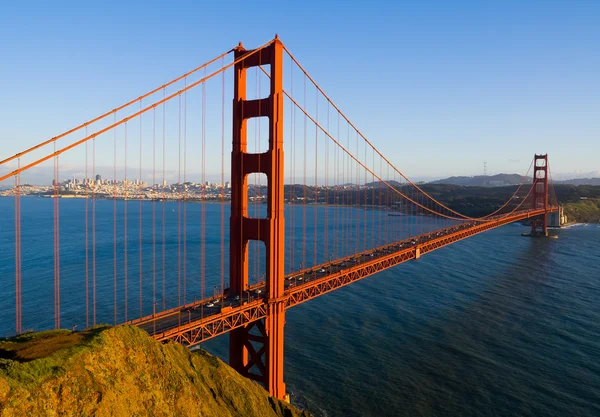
<point>583,211</point>
<point>122,371</point>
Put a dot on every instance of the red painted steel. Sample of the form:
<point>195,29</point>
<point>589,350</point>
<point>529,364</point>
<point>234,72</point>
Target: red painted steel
<point>539,225</point>
<point>254,315</point>
<point>268,360</point>
<point>230,319</point>
<point>192,333</point>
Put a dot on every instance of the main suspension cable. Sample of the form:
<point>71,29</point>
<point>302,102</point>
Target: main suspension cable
<point>372,146</point>
<point>134,115</point>
<point>114,111</point>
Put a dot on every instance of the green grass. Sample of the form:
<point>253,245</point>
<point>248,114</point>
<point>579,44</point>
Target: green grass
<point>583,211</point>
<point>122,371</point>
<point>30,346</point>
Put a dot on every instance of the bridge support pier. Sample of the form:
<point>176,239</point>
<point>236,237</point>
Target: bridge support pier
<point>256,351</point>
<point>539,224</point>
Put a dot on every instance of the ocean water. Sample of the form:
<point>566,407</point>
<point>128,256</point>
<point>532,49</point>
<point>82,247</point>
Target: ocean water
<point>497,325</point>
<point>169,249</point>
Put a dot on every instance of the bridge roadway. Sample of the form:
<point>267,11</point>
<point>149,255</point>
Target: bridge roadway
<point>199,321</point>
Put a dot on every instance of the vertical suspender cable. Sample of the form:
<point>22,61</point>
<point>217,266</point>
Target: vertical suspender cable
<point>336,181</point>
<point>372,198</point>
<point>154,191</point>
<point>179,204</point>
<point>304,185</point>
<point>56,244</point>
<point>316,190</point>
<point>164,185</point>
<point>358,203</point>
<point>365,204</point>
<point>222,185</point>
<point>203,215</point>
<point>125,255</point>
<point>185,195</point>
<point>325,240</point>
<point>87,255</point>
<point>141,266</point>
<point>94,228</point>
<point>114,232</point>
<point>387,206</point>
<point>291,223</point>
<point>18,276</point>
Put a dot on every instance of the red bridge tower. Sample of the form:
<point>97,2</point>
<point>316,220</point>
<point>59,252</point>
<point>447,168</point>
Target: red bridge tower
<point>256,350</point>
<point>539,224</point>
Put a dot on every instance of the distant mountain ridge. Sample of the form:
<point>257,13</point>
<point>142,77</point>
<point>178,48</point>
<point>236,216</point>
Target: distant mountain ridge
<point>580,181</point>
<point>379,184</point>
<point>497,180</point>
<point>501,180</point>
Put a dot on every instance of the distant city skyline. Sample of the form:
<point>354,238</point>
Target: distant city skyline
<point>44,177</point>
<point>449,85</point>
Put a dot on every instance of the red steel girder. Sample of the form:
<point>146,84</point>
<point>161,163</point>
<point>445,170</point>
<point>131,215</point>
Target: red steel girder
<point>208,327</point>
<point>211,326</point>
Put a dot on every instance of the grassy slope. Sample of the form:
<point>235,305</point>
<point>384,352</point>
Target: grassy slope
<point>122,371</point>
<point>583,211</point>
<point>478,201</point>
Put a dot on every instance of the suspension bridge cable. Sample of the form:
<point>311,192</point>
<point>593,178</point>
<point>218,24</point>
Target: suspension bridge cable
<point>412,200</point>
<point>141,264</point>
<point>87,255</point>
<point>125,253</point>
<point>134,115</point>
<point>370,144</point>
<point>154,191</point>
<point>114,111</point>
<point>523,179</point>
<point>162,224</point>
<point>114,231</point>
<point>551,181</point>
<point>463,217</point>
<point>94,225</point>
<point>368,169</point>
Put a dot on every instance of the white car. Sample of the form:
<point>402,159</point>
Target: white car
<point>211,304</point>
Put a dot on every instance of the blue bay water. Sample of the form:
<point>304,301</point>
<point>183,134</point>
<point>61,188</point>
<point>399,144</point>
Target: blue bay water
<point>169,249</point>
<point>497,325</point>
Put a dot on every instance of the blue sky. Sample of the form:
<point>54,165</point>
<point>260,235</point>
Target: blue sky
<point>438,86</point>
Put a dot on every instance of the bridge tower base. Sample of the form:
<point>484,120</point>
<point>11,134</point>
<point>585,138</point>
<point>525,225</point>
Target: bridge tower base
<point>539,224</point>
<point>256,350</point>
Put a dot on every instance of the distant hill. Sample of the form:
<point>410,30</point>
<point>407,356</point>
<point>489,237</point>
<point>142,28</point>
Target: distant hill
<point>379,184</point>
<point>580,181</point>
<point>501,180</point>
<point>498,180</point>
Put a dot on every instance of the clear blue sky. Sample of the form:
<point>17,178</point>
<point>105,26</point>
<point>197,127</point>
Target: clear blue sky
<point>438,86</point>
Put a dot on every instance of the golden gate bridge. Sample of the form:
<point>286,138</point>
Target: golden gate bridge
<point>277,229</point>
